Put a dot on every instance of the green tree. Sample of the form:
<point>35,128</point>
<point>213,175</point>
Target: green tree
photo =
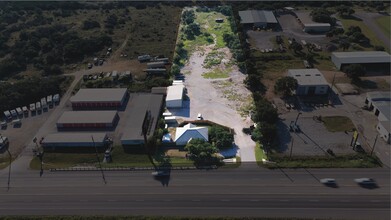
<point>201,152</point>
<point>220,137</point>
<point>188,16</point>
<point>344,44</point>
<point>285,85</point>
<point>175,69</point>
<point>296,47</point>
<point>264,112</point>
<point>345,11</point>
<point>354,71</point>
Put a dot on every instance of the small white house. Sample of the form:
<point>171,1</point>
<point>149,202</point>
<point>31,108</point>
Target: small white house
<point>184,134</point>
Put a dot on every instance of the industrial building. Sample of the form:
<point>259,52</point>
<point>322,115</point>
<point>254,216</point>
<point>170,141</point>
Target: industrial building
<point>316,27</point>
<point>72,140</point>
<point>184,134</point>
<point>370,59</point>
<point>105,98</point>
<point>310,81</point>
<point>174,96</point>
<point>144,110</point>
<point>260,19</point>
<point>88,120</point>
<point>380,104</point>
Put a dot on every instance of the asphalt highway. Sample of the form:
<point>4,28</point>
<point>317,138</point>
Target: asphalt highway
<point>222,192</point>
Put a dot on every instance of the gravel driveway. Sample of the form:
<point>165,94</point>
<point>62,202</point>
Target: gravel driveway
<point>209,101</point>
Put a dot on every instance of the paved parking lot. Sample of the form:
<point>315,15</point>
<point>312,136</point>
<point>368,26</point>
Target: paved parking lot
<point>315,134</point>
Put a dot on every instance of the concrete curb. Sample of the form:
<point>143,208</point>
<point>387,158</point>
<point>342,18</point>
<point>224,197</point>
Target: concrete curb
<point>130,168</point>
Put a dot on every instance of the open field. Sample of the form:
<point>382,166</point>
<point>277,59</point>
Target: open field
<point>207,21</point>
<point>385,23</point>
<point>365,30</point>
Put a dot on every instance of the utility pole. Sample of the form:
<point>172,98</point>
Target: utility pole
<point>297,118</point>
<point>373,148</point>
<point>97,158</point>
<point>290,155</point>
<point>9,169</point>
<point>10,161</point>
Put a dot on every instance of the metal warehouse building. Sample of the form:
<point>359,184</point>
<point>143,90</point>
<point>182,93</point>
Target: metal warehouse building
<point>258,18</point>
<point>378,58</point>
<point>174,96</point>
<point>380,103</point>
<point>144,110</point>
<point>88,120</point>
<point>310,81</point>
<point>66,139</point>
<point>316,27</point>
<point>99,98</point>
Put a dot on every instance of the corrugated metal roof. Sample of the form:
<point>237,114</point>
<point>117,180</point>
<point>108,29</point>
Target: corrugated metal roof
<point>99,95</point>
<point>379,96</point>
<point>317,25</point>
<point>175,92</point>
<point>137,107</point>
<point>256,16</point>
<point>384,108</point>
<point>362,57</point>
<point>386,125</point>
<point>308,76</point>
<point>66,137</point>
<point>87,117</point>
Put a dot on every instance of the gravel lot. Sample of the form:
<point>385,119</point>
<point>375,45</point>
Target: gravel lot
<point>206,99</point>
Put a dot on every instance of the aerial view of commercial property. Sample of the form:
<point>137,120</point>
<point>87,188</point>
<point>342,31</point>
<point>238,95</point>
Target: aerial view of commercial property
<point>195,110</point>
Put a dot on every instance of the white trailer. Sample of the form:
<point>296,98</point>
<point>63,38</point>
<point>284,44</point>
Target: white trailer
<point>156,65</point>
<point>38,106</point>
<point>19,111</point>
<point>43,103</point>
<point>13,113</point>
<point>32,107</point>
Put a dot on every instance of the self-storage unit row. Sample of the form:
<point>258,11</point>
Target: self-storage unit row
<point>99,99</point>
<point>66,139</point>
<point>88,120</point>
